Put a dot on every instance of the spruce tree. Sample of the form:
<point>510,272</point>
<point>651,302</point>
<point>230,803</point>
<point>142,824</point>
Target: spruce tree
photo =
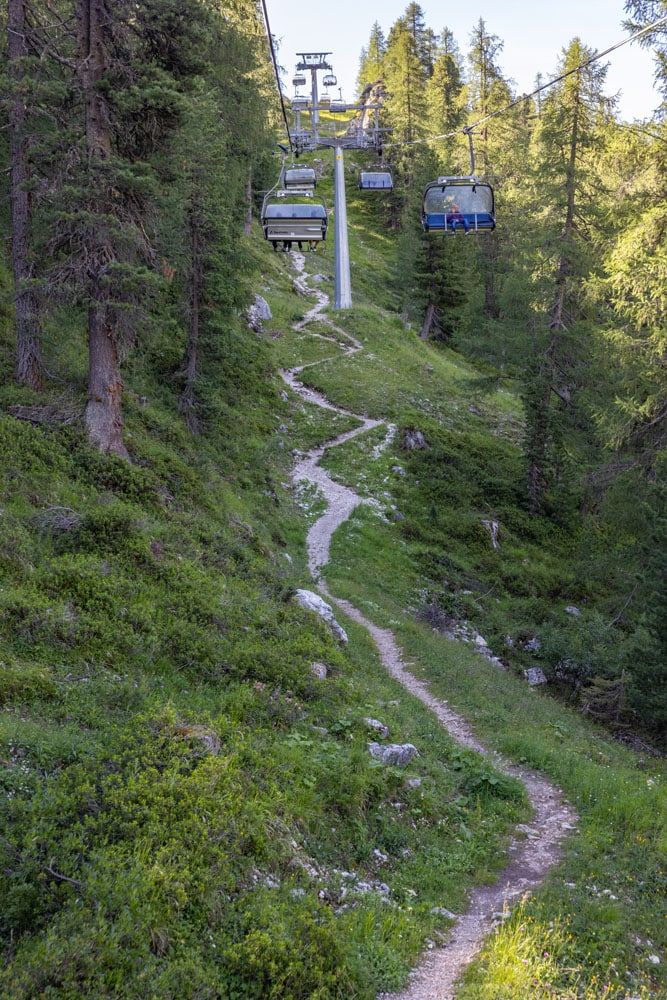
<point>29,369</point>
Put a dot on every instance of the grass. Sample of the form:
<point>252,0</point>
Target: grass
<point>592,931</point>
<point>187,810</point>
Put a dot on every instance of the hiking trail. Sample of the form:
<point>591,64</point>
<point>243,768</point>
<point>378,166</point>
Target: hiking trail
<point>535,847</point>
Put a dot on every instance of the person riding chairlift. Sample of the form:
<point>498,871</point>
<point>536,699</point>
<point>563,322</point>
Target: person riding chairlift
<point>455,217</point>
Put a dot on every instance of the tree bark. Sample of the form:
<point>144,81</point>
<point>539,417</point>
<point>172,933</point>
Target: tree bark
<point>188,399</point>
<point>104,418</point>
<point>428,322</point>
<point>247,228</point>
<point>28,369</point>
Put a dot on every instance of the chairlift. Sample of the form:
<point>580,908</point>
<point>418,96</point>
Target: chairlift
<point>299,81</point>
<point>459,205</point>
<point>324,101</point>
<point>299,178</point>
<point>298,223</point>
<point>454,205</point>
<point>330,80</point>
<point>300,102</point>
<point>338,105</point>
<point>376,180</point>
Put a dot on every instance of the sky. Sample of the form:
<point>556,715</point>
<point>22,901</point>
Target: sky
<point>533,35</point>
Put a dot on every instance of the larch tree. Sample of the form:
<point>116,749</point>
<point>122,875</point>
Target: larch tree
<point>569,130</point>
<point>371,59</point>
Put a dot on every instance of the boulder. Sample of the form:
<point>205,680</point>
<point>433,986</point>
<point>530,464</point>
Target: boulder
<point>319,670</point>
<point>493,529</point>
<point>313,602</point>
<point>414,440</point>
<point>573,610</point>
<point>208,740</point>
<point>258,314</point>
<point>533,645</point>
<point>378,727</point>
<point>535,676</point>
<point>398,754</point>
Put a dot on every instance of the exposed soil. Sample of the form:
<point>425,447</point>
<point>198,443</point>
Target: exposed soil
<point>535,847</point>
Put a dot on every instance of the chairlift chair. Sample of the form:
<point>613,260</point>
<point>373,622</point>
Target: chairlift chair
<point>300,102</point>
<point>299,179</point>
<point>454,205</point>
<point>329,80</point>
<point>299,80</point>
<point>458,205</point>
<point>338,104</point>
<point>376,180</point>
<point>298,223</point>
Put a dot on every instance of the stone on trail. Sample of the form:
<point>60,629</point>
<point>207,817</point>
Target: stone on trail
<point>258,314</point>
<point>313,602</point>
<point>398,754</point>
<point>535,676</point>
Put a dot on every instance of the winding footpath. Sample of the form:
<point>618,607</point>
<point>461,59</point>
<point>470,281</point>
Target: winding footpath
<point>535,848</point>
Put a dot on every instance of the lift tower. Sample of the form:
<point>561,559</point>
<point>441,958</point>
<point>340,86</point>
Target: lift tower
<point>312,62</point>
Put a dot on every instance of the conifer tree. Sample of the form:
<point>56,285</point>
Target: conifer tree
<point>371,59</point>
<point>28,369</point>
<point>571,116</point>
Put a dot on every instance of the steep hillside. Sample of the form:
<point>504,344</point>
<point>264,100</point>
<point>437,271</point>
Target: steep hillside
<point>191,810</point>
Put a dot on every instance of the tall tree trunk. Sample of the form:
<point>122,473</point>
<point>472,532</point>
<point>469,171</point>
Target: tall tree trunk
<point>558,308</point>
<point>247,227</point>
<point>104,418</point>
<point>188,399</point>
<point>28,370</point>
<point>429,319</point>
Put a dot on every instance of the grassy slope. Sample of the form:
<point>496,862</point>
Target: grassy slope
<point>162,615</point>
<point>594,928</point>
<point>147,618</point>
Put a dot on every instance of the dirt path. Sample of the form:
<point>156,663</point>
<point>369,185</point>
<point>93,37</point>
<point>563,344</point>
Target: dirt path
<point>535,847</point>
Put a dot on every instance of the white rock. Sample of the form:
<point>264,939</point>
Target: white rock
<point>573,610</point>
<point>319,670</point>
<point>493,528</point>
<point>258,313</point>
<point>313,602</point>
<point>378,727</point>
<point>535,676</point>
<point>394,753</point>
<point>440,911</point>
<point>654,960</point>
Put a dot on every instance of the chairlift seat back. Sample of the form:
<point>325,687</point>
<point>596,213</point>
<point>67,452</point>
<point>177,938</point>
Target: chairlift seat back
<point>376,180</point>
<point>300,178</point>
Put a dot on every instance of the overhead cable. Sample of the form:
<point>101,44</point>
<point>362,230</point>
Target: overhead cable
<point>277,73</point>
<point>545,86</point>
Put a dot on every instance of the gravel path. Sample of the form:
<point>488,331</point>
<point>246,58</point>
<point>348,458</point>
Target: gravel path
<point>535,847</point>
